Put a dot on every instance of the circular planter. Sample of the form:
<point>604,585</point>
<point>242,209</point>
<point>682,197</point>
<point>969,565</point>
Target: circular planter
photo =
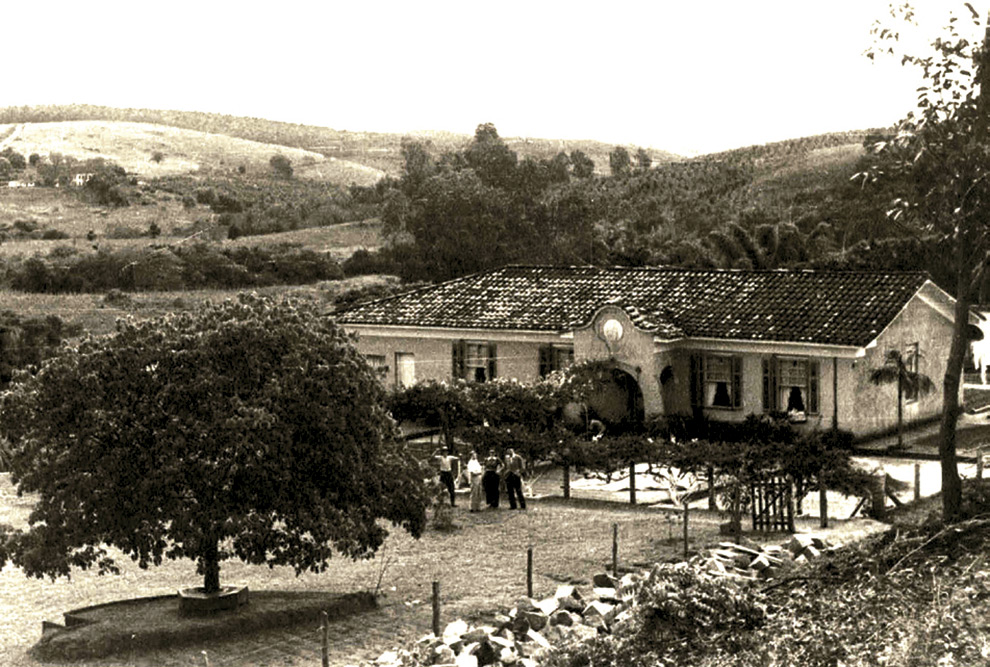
<point>196,601</point>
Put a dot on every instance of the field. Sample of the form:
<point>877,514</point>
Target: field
<point>132,146</point>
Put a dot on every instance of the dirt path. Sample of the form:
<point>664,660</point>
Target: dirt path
<point>5,141</point>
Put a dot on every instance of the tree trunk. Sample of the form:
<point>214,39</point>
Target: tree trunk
<point>210,565</point>
<point>951,485</point>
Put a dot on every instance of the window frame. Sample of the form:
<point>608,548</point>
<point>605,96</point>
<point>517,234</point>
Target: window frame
<point>379,364</point>
<point>550,358</point>
<point>399,367</point>
<point>700,371</point>
<point>811,386</point>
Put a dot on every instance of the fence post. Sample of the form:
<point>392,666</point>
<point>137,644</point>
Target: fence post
<point>823,504</point>
<point>879,491</point>
<point>436,608</point>
<point>712,502</point>
<point>325,643</point>
<point>567,480</point>
<point>979,463</point>
<point>529,572</point>
<point>686,510</point>
<point>917,481</point>
<point>615,550</point>
<point>632,483</point>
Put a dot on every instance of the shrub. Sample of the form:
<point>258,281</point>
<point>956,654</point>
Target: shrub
<point>26,226</point>
<point>188,202</point>
<point>206,196</point>
<point>53,234</point>
<point>157,157</point>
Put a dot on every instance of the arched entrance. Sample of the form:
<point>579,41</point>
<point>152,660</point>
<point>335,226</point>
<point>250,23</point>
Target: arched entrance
<point>617,402</point>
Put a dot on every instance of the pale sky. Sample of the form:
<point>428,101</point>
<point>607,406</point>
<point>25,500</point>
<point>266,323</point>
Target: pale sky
<point>682,75</point>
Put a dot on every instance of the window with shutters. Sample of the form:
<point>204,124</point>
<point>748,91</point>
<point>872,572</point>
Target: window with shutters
<point>378,364</point>
<point>555,358</point>
<point>790,384</point>
<point>474,361</point>
<point>716,381</point>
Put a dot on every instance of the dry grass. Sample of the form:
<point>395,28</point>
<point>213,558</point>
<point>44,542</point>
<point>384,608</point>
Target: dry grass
<point>131,145</point>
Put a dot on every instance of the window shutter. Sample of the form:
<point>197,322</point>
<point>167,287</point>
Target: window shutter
<point>770,384</point>
<point>737,382</point>
<point>546,360</point>
<point>697,381</point>
<point>492,361</point>
<point>814,367</point>
<point>457,365</point>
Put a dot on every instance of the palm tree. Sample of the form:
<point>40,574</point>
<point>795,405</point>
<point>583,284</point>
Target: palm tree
<point>895,369</point>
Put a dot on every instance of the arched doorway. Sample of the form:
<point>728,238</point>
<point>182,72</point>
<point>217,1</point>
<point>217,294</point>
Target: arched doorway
<point>617,401</point>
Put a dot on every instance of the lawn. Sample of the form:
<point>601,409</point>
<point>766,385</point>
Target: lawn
<point>481,567</point>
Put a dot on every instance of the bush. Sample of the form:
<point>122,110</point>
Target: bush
<point>206,196</point>
<point>53,234</point>
<point>188,202</point>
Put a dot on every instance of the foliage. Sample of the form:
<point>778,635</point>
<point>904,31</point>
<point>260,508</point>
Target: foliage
<point>936,163</point>
<point>250,430</point>
<point>199,265</point>
<point>619,161</point>
<point>281,166</point>
<point>14,159</point>
<point>25,342</point>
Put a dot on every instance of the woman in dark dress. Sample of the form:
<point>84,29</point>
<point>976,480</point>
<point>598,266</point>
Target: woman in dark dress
<point>492,479</point>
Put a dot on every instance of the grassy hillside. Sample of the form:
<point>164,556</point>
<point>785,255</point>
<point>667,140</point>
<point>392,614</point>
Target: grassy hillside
<point>134,146</point>
<point>375,150</point>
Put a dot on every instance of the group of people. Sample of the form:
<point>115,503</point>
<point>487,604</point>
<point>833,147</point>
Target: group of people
<point>486,479</point>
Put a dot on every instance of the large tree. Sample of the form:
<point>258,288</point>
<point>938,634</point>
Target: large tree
<point>939,160</point>
<point>250,430</point>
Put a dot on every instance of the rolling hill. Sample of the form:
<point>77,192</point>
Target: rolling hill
<point>133,146</point>
<point>375,150</point>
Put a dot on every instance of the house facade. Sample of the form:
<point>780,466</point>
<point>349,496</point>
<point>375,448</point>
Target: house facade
<point>725,344</point>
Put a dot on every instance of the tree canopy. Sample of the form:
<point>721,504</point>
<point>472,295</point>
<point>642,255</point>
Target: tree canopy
<point>250,429</point>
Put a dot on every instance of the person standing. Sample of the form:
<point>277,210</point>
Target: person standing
<point>491,479</point>
<point>474,471</point>
<point>447,471</point>
<point>513,479</point>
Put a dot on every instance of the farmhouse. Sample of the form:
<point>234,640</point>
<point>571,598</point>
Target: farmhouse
<point>723,343</point>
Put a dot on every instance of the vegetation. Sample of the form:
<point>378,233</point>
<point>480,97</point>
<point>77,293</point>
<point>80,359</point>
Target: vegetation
<point>249,430</point>
<point>910,383</point>
<point>935,165</point>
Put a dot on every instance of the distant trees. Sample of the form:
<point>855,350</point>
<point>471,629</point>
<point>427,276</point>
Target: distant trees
<point>17,161</point>
<point>619,161</point>
<point>281,166</point>
<point>583,165</point>
<point>643,159</point>
<point>157,157</point>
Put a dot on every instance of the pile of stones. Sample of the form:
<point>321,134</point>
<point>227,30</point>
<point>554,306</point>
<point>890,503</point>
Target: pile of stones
<point>529,631</point>
<point>533,628</point>
<point>751,561</point>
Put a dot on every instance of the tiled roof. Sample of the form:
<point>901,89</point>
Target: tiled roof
<point>827,307</point>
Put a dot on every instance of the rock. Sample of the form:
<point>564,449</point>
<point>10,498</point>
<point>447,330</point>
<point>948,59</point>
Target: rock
<point>820,543</point>
<point>604,580</point>
<point>527,662</point>
<point>524,604</point>
<point>539,639</point>
<point>443,654</point>
<point>606,594</point>
<point>466,660</point>
<point>811,553</point>
<point>454,630</point>
<point>575,605</point>
<point>508,635</point>
<point>502,620</point>
<point>562,617</point>
<point>739,548</point>
<point>388,659</point>
<point>485,653</point>
<point>520,626</point>
<point>581,632</point>
<point>567,591</point>
<point>537,620</point>
<point>508,656</point>
<point>475,635</point>
<point>548,605</point>
<point>760,563</point>
<point>501,642</point>
<point>797,543</point>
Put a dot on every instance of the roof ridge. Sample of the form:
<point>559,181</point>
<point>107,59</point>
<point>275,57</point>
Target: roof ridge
<point>660,268</point>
